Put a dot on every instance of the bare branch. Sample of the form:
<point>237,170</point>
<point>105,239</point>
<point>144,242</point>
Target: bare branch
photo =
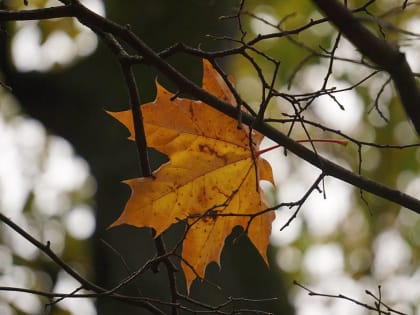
<point>375,308</point>
<point>386,56</point>
<point>95,21</point>
<point>37,14</point>
<point>83,281</point>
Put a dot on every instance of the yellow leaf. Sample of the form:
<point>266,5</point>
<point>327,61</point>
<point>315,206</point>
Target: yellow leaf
<point>211,179</point>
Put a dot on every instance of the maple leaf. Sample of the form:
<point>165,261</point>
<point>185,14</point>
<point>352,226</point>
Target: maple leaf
<point>211,174</point>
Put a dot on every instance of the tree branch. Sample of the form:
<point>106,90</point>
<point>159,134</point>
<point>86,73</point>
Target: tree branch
<point>386,56</point>
<point>375,308</point>
<point>390,58</point>
<point>37,14</point>
<point>67,268</point>
<point>134,97</point>
<point>95,21</point>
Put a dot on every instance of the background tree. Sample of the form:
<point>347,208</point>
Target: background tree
<point>297,72</point>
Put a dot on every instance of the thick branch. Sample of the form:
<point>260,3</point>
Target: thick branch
<point>37,14</point>
<point>140,136</point>
<point>386,56</point>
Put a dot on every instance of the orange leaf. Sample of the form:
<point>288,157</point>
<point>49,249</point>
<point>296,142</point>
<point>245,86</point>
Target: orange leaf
<point>210,172</point>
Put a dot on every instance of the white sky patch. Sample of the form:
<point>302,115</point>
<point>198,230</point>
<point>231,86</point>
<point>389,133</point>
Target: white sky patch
<point>290,233</point>
<point>59,48</point>
<point>297,181</point>
<point>26,53</point>
<point>11,198</point>
<point>323,260</point>
<point>403,289</point>
<point>30,304</point>
<point>86,43</point>
<point>392,254</point>
<point>29,54</point>
<point>323,216</point>
<point>63,172</point>
<point>277,160</point>
<point>352,70</point>
<point>21,144</point>
<point>326,107</point>
<point>62,169</point>
<point>80,222</point>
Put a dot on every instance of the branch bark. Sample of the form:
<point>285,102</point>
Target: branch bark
<point>36,14</point>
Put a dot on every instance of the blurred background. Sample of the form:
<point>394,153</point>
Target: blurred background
<point>62,159</point>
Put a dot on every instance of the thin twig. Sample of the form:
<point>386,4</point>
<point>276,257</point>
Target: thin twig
<point>88,285</point>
